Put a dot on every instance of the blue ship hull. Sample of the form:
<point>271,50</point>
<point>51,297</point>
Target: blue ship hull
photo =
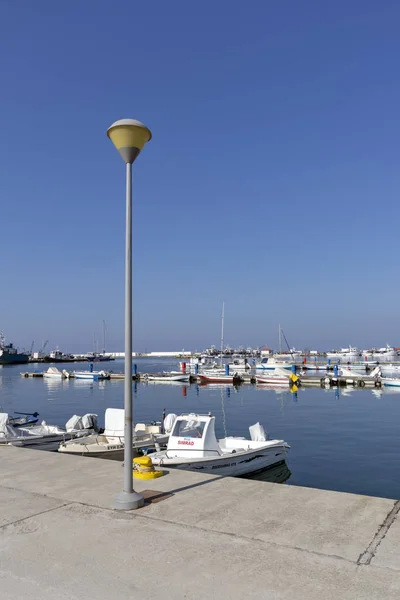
<point>13,358</point>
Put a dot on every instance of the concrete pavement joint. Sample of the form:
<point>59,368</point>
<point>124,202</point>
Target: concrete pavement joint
<point>43,512</point>
<point>247,539</point>
<point>369,553</point>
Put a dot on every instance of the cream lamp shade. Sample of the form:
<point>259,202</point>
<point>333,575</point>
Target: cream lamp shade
<point>129,137</point>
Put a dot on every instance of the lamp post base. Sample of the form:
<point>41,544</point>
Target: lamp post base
<point>128,501</point>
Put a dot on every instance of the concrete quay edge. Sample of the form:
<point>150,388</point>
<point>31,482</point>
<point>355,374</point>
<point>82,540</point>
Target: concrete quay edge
<point>252,538</point>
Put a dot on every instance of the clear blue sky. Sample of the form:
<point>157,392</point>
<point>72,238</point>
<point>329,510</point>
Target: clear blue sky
<point>271,182</point>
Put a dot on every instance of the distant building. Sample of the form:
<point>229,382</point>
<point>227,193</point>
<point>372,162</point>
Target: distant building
<point>265,351</point>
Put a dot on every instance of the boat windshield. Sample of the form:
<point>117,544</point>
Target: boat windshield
<point>186,428</point>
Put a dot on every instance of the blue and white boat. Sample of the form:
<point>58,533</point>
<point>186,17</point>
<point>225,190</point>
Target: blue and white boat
<point>270,364</point>
<point>390,381</point>
<point>91,375</point>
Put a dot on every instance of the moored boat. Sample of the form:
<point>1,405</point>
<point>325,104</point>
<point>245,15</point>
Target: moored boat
<point>110,443</point>
<point>193,446</point>
<point>43,436</point>
<point>270,364</point>
<point>166,377</point>
<point>278,381</point>
<point>91,375</point>
<point>9,355</point>
<point>54,373</point>
<point>23,421</point>
<point>390,381</point>
<point>219,378</point>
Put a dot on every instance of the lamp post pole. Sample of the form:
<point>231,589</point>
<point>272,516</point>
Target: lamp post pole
<point>128,450</point>
<point>129,137</point>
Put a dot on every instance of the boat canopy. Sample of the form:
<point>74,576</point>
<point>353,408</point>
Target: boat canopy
<point>193,436</point>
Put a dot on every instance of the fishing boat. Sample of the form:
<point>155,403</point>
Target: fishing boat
<point>349,353</point>
<point>54,373</point>
<point>218,377</point>
<point>193,446</point>
<point>43,436</point>
<point>91,375</point>
<point>110,443</point>
<point>169,376</point>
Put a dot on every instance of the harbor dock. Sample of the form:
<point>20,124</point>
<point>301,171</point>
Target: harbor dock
<point>246,378</point>
<point>198,536</point>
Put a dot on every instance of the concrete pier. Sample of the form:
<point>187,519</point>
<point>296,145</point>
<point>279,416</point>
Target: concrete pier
<point>198,536</point>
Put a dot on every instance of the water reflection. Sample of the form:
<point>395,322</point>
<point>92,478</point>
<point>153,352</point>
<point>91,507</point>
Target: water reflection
<point>53,384</point>
<point>277,474</point>
<point>385,391</point>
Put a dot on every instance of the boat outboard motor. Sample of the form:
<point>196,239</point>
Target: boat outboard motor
<point>74,423</point>
<point>89,421</point>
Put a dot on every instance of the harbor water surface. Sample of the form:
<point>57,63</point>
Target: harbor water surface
<point>341,439</point>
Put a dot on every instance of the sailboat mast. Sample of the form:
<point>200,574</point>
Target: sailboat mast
<point>222,330</point>
<point>104,337</point>
<point>280,339</point>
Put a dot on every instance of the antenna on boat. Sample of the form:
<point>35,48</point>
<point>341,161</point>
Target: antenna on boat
<point>284,337</point>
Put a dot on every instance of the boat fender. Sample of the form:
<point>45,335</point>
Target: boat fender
<point>362,383</point>
<point>378,384</point>
<point>143,468</point>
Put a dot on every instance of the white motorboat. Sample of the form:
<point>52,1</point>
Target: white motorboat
<point>239,364</point>
<point>357,376</point>
<point>110,443</point>
<point>270,364</point>
<point>390,381</point>
<point>91,375</point>
<point>193,446</point>
<point>169,376</point>
<point>54,373</point>
<point>43,436</point>
<point>279,377</point>
<point>316,367</point>
<point>273,380</point>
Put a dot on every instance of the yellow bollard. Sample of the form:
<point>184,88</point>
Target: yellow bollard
<point>143,468</point>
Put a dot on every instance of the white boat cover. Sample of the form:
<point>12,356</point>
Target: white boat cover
<point>257,433</point>
<point>114,421</point>
<point>169,422</point>
<point>53,370</point>
<point>89,421</point>
<point>6,429</point>
<point>76,423</point>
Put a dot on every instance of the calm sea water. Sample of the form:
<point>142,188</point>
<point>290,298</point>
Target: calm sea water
<point>341,439</point>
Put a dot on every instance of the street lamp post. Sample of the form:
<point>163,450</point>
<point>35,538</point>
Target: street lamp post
<point>129,137</point>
